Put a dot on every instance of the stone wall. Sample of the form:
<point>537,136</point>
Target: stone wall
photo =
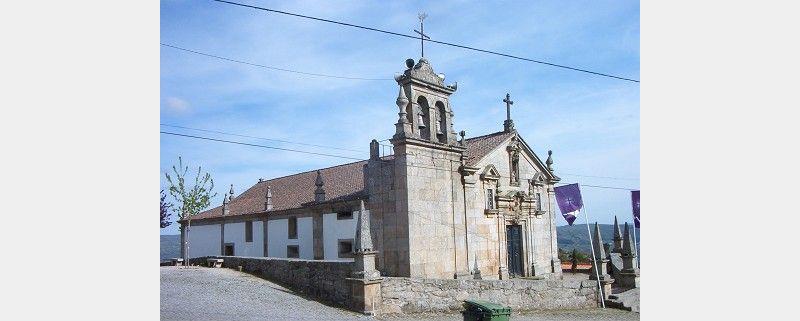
<point>322,280</point>
<point>414,295</point>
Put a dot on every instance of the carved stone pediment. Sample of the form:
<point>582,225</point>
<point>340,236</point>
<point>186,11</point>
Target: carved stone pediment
<point>490,173</point>
<point>538,179</point>
<point>424,72</point>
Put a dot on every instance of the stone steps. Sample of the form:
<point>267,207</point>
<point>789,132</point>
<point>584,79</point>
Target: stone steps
<point>628,300</point>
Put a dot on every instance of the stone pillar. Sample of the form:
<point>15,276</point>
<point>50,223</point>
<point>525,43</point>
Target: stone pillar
<point>365,280</point>
<point>555,262</point>
<point>599,267</point>
<point>629,276</point>
<point>374,150</point>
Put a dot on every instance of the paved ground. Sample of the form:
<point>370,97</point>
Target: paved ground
<point>197,293</point>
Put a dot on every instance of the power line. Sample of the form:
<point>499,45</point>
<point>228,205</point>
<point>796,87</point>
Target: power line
<point>429,40</point>
<point>609,177</point>
<point>607,187</point>
<point>262,138</point>
<point>270,67</point>
<point>353,158</point>
<point>256,145</point>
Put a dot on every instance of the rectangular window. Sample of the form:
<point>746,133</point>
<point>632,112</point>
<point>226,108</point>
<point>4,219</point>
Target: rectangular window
<point>293,228</point>
<point>229,249</point>
<point>538,201</point>
<point>344,215</point>
<point>248,231</point>
<point>292,251</point>
<point>489,199</point>
<point>346,248</point>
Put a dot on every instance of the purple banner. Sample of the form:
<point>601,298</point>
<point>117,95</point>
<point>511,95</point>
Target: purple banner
<point>569,201</point>
<point>635,205</point>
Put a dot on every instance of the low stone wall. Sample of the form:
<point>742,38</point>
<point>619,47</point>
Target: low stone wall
<point>413,295</point>
<point>322,280</point>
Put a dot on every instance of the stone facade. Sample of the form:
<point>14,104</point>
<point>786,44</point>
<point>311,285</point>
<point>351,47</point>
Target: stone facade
<point>440,207</point>
<point>413,295</point>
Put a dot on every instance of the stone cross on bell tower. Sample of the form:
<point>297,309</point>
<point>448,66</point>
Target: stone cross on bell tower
<point>508,125</point>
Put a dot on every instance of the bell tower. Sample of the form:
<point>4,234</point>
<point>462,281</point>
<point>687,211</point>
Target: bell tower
<point>428,188</point>
<point>424,104</point>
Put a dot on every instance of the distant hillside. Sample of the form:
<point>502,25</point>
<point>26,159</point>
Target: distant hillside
<point>576,236</point>
<point>170,246</point>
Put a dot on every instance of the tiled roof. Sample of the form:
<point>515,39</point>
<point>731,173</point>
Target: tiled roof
<point>343,182</point>
<point>478,147</point>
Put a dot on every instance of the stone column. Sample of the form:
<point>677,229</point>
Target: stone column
<point>555,263</point>
<point>503,246</point>
<point>365,280</point>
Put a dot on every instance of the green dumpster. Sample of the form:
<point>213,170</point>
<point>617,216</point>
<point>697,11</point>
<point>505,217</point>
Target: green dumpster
<point>485,311</point>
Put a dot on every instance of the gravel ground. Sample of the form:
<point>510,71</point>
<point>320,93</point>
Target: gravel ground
<point>215,294</point>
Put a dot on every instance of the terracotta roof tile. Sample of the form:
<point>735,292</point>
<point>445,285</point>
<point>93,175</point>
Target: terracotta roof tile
<point>342,182</point>
<point>478,147</point>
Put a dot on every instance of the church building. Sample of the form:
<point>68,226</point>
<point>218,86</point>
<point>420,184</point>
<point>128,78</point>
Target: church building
<point>440,206</point>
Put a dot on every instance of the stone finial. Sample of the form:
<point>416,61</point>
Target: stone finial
<point>374,150</point>
<point>225,202</point>
<point>402,102</point>
<point>319,193</point>
<point>462,134</point>
<point>617,237</point>
<point>363,233</point>
<point>628,247</point>
<point>629,276</point>
<point>231,191</point>
<point>599,264</point>
<point>268,202</point>
<point>549,161</point>
<point>598,242</point>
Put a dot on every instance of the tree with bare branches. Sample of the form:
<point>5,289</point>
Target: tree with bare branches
<point>190,199</point>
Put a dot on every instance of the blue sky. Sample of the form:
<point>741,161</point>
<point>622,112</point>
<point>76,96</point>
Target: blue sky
<point>591,123</point>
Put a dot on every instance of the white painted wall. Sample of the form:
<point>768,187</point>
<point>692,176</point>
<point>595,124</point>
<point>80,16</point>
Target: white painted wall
<point>278,231</point>
<point>234,233</point>
<point>333,230</point>
<point>204,240</point>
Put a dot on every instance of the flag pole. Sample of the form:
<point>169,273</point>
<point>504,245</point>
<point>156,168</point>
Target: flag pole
<point>594,259</point>
<point>635,242</point>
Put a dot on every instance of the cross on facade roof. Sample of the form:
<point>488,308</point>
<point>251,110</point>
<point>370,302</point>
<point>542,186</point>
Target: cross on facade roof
<point>508,125</point>
<point>421,32</point>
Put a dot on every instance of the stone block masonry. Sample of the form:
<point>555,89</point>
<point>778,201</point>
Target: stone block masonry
<point>415,295</point>
<point>318,279</point>
<point>327,281</point>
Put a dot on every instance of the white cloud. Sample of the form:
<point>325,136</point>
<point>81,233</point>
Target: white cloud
<point>177,105</point>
